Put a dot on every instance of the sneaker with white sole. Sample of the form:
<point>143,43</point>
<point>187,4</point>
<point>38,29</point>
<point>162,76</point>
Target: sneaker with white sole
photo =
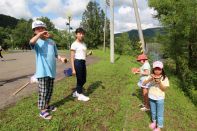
<point>81,97</point>
<point>75,94</point>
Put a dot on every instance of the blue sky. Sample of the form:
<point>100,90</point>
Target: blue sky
<point>59,10</point>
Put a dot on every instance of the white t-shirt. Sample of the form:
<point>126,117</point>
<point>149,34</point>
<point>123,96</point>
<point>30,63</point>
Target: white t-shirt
<point>80,50</point>
<point>145,66</point>
<point>155,92</point>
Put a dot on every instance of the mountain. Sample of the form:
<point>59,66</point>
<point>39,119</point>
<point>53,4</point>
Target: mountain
<point>148,33</point>
<point>8,21</point>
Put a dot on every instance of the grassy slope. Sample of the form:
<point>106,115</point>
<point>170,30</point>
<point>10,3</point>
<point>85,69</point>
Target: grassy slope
<point>112,107</point>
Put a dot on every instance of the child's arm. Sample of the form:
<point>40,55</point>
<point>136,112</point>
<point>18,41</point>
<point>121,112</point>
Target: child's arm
<point>145,72</point>
<point>147,81</point>
<point>62,59</point>
<point>161,86</point>
<point>36,37</point>
<point>72,55</point>
<point>89,53</point>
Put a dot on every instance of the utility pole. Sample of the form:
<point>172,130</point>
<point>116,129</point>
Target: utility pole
<point>69,19</point>
<point>105,26</point>
<point>106,4</point>
<point>139,25</point>
<point>112,31</point>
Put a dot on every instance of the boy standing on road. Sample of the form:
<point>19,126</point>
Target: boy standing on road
<point>46,54</point>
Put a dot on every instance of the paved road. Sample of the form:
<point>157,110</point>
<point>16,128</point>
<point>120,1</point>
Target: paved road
<point>17,69</point>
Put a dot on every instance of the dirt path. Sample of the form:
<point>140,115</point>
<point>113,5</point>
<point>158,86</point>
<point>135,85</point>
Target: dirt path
<point>17,69</point>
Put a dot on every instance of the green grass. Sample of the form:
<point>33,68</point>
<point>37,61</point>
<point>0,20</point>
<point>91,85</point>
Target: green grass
<point>111,106</point>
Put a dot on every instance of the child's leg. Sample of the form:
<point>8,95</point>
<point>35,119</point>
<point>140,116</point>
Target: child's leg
<point>49,90</point>
<point>84,73</point>
<point>42,98</point>
<point>1,57</point>
<point>160,112</point>
<point>153,109</point>
<point>79,75</point>
<point>42,84</point>
<point>145,97</point>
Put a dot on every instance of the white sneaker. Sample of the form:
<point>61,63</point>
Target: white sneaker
<point>81,97</point>
<point>75,94</point>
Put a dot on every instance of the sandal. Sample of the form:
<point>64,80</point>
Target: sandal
<point>51,108</point>
<point>45,115</point>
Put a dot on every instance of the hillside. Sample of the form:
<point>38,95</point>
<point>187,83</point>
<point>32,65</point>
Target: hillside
<point>8,21</point>
<point>148,33</point>
<point>111,107</point>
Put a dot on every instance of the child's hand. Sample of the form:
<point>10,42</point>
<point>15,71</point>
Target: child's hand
<point>73,72</point>
<point>157,79</point>
<point>152,77</point>
<point>135,70</point>
<point>64,60</point>
<point>45,34</point>
<point>89,53</point>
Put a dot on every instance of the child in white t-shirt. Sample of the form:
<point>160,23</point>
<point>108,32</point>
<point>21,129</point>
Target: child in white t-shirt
<point>78,62</point>
<point>143,71</point>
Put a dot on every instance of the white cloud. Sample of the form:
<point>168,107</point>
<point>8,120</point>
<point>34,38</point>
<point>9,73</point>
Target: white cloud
<point>125,16</point>
<point>62,8</point>
<point>76,7</point>
<point>124,10</point>
<point>75,23</point>
<point>60,23</point>
<point>142,4</point>
<point>59,10</point>
<point>15,8</point>
<point>118,3</point>
<point>51,6</point>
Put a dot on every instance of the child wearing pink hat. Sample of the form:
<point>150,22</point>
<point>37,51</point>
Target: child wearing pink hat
<point>158,83</point>
<point>144,72</point>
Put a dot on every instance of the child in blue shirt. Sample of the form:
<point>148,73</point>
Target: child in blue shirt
<point>46,54</point>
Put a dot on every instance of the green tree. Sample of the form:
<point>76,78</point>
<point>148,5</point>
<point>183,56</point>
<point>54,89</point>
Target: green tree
<point>179,18</point>
<point>62,39</point>
<point>8,21</point>
<point>22,33</point>
<point>123,44</point>
<point>93,22</point>
<point>49,24</point>
<point>4,33</point>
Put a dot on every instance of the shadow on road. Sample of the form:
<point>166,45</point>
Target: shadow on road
<point>9,59</point>
<point>14,79</point>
